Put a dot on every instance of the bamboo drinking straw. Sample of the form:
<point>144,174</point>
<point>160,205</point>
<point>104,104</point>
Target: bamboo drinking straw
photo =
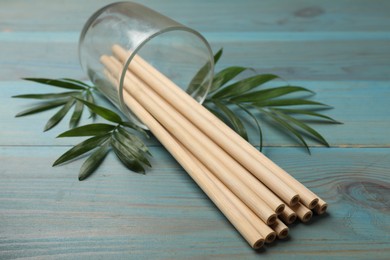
<point>308,198</point>
<point>239,221</point>
<point>174,121</point>
<point>231,164</point>
<point>168,117</point>
<point>304,214</point>
<point>268,233</point>
<point>275,204</point>
<point>280,228</point>
<point>184,103</point>
<point>288,215</point>
<point>321,207</point>
<point>256,186</point>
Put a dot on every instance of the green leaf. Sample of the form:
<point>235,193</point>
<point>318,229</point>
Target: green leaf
<point>54,120</point>
<point>242,86</point>
<point>89,96</point>
<point>48,95</point>
<point>199,79</point>
<point>303,126</point>
<point>78,82</point>
<point>136,141</point>
<point>132,147</point>
<point>82,148</point>
<point>287,126</point>
<point>309,113</point>
<point>90,99</point>
<point>216,112</point>
<point>126,157</point>
<point>42,107</point>
<point>233,119</point>
<point>218,55</point>
<point>250,114</point>
<point>287,102</point>
<point>260,95</point>
<point>93,161</point>
<point>88,130</point>
<point>225,76</point>
<point>135,127</point>
<point>78,111</point>
<point>103,112</point>
<point>56,83</point>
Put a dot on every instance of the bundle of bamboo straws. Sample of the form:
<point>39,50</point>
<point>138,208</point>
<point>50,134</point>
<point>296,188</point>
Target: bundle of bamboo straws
<point>257,196</point>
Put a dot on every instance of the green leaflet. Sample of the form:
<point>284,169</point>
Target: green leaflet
<point>127,157</point>
<point>199,79</point>
<point>250,114</point>
<point>307,112</point>
<point>288,127</point>
<point>42,107</point>
<point>77,113</point>
<point>134,139</point>
<point>57,83</point>
<point>200,76</point>
<point>131,148</point>
<point>302,125</point>
<point>128,148</point>
<point>103,112</point>
<point>287,102</point>
<point>225,76</point>
<point>265,94</point>
<point>243,86</point>
<point>88,130</point>
<point>57,117</point>
<point>48,95</point>
<point>216,112</point>
<point>135,127</point>
<point>77,82</point>
<point>82,148</point>
<point>90,99</point>
<point>233,119</point>
<point>218,55</point>
<point>93,161</point>
<point>68,99</point>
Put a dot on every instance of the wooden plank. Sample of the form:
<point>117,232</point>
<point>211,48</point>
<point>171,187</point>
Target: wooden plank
<point>46,213</point>
<point>229,16</point>
<point>361,105</point>
<point>39,59</point>
<point>311,58</point>
<point>338,48</point>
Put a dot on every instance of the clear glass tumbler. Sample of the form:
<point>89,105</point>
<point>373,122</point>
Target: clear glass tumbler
<point>175,50</point>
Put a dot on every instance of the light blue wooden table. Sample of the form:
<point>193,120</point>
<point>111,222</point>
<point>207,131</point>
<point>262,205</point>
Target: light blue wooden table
<point>338,48</point>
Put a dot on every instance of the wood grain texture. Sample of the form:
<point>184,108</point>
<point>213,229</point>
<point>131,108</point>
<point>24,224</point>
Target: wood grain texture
<point>340,49</point>
<point>46,212</point>
<point>233,16</point>
<point>292,56</point>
